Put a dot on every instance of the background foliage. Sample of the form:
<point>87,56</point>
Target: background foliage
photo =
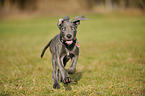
<point>13,8</point>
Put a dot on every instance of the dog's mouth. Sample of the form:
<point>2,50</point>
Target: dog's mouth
<point>69,42</point>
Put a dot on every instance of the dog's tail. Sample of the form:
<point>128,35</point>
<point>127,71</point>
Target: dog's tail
<point>45,48</point>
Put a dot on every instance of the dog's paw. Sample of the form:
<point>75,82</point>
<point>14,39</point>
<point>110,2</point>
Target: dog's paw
<point>56,86</point>
<point>71,71</point>
<point>67,80</point>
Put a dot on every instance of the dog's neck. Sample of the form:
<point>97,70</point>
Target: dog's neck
<point>69,47</point>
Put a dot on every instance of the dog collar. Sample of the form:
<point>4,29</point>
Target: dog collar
<point>77,44</point>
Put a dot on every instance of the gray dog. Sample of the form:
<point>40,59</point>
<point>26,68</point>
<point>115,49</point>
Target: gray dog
<point>63,47</point>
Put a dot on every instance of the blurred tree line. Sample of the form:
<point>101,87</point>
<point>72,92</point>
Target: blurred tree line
<point>68,6</point>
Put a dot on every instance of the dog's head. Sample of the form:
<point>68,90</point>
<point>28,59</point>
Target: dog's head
<point>68,29</point>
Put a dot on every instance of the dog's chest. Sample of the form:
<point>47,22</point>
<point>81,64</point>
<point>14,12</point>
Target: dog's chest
<point>69,53</point>
<point>68,56</point>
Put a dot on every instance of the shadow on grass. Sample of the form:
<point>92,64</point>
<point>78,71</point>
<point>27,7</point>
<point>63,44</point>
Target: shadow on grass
<point>75,78</point>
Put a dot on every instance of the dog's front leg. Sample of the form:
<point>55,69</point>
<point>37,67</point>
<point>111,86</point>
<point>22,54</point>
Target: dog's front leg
<point>54,73</point>
<point>64,74</point>
<point>72,67</point>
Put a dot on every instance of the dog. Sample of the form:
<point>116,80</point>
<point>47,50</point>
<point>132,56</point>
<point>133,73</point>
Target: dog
<point>63,47</point>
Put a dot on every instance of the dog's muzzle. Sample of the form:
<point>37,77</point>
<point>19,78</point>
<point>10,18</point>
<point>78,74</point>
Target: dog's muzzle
<point>69,39</point>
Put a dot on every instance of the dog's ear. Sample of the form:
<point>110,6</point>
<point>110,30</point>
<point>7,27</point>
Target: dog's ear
<point>60,22</point>
<point>77,19</point>
<point>66,18</point>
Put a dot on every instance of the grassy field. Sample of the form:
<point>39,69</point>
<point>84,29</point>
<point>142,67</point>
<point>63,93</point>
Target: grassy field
<point>111,61</point>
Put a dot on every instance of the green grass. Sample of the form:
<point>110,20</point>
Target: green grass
<point>111,61</point>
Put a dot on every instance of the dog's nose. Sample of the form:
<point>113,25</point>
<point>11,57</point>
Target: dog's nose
<point>69,35</point>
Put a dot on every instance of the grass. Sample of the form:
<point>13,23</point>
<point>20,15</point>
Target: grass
<point>111,61</point>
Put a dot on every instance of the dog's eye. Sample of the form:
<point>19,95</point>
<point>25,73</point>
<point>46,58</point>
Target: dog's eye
<point>64,29</point>
<point>72,28</point>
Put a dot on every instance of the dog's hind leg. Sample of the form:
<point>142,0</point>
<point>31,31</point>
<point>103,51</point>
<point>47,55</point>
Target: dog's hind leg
<point>54,74</point>
<point>65,60</point>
